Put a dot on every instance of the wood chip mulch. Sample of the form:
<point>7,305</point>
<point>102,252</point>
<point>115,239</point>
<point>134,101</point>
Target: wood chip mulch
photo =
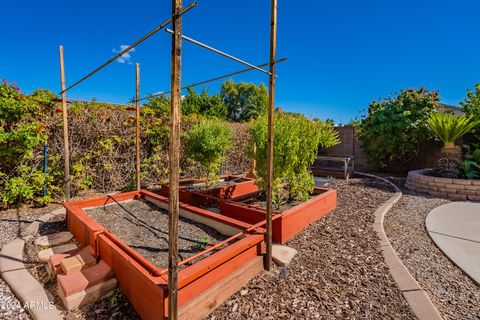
<point>454,294</point>
<point>338,273</point>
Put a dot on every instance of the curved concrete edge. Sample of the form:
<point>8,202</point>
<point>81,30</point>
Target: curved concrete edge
<point>37,301</point>
<point>456,236</point>
<point>416,297</point>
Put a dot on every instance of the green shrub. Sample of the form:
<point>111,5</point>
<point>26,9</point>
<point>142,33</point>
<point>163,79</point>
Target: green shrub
<point>296,143</point>
<point>471,164</point>
<point>206,143</point>
<point>471,105</point>
<point>395,128</point>
<point>24,186</point>
<point>20,135</point>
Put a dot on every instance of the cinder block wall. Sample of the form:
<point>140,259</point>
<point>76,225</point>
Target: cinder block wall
<point>351,146</point>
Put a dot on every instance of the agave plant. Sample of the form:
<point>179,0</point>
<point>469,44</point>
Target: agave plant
<point>449,128</point>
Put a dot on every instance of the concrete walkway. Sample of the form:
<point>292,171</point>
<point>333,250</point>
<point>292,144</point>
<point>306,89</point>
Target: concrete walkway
<point>455,228</point>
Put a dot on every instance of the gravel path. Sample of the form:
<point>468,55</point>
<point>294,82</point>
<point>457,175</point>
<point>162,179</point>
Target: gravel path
<point>12,223</point>
<point>338,272</point>
<point>454,294</point>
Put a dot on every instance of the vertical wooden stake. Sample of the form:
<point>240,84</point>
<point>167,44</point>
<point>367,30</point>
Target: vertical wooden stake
<point>137,122</point>
<point>66,152</point>
<point>271,119</point>
<point>174,157</point>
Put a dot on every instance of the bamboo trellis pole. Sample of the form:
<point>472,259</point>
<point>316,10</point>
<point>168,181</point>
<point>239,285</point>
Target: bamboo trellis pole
<point>130,47</point>
<point>66,152</point>
<point>271,122</point>
<point>137,123</point>
<point>174,160</point>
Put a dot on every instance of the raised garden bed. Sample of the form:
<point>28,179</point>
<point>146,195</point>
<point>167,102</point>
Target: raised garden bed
<point>144,227</point>
<point>453,189</point>
<point>143,281</point>
<point>286,223</point>
<point>224,188</point>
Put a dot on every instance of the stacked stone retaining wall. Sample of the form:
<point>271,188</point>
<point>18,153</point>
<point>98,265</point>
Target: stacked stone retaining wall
<point>453,189</point>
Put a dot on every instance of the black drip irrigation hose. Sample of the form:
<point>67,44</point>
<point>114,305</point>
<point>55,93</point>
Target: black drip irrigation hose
<point>153,229</point>
<point>229,182</point>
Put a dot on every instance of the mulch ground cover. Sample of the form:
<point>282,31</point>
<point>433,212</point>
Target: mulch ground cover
<point>338,273</point>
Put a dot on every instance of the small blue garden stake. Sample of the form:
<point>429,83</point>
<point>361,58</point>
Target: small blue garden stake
<point>45,162</point>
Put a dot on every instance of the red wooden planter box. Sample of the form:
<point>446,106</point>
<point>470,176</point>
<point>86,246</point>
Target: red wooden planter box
<point>286,224</point>
<point>144,284</point>
<point>239,187</point>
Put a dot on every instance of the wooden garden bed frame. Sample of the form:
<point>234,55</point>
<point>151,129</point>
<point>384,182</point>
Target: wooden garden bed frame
<point>240,186</point>
<point>146,286</point>
<point>286,224</point>
<point>174,151</point>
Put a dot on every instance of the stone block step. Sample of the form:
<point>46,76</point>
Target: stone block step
<point>78,262</point>
<point>45,254</point>
<point>54,261</point>
<point>54,239</point>
<point>88,295</point>
<point>80,281</point>
<point>283,255</point>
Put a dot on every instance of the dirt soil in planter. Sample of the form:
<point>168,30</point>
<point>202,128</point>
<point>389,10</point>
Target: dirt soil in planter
<point>261,201</point>
<point>200,186</point>
<point>153,244</point>
<point>338,273</point>
<point>454,294</point>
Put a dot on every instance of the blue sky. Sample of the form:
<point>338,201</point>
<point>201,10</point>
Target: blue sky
<point>342,54</point>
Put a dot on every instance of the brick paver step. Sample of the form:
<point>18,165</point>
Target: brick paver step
<point>78,262</point>
<point>79,281</point>
<point>54,261</point>
<point>89,295</point>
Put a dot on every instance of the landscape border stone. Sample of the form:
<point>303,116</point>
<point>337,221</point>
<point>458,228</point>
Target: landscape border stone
<point>38,302</point>
<point>416,297</point>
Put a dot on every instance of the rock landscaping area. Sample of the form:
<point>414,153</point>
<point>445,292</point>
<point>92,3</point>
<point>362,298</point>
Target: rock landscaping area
<point>338,272</point>
<point>454,294</point>
<point>12,223</point>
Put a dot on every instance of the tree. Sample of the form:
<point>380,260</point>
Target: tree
<point>206,143</point>
<point>471,105</point>
<point>207,105</point>
<point>297,140</point>
<point>449,128</point>
<point>395,128</point>
<point>244,101</point>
